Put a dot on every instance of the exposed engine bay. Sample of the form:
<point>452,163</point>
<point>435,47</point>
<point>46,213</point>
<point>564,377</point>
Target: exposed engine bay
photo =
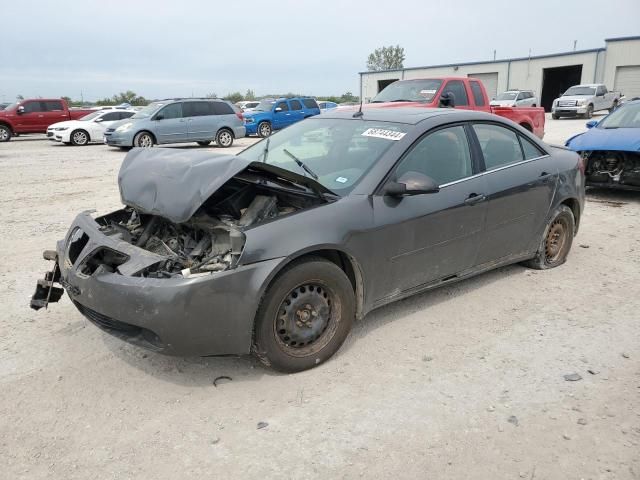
<point>211,240</point>
<point>612,168</point>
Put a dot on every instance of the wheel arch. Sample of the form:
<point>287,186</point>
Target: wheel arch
<point>144,130</point>
<point>526,126</point>
<point>574,205</point>
<point>227,128</point>
<point>82,130</point>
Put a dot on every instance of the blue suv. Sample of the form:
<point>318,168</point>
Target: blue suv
<point>272,114</point>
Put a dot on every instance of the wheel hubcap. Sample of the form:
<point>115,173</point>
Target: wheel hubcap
<point>556,239</point>
<point>265,130</point>
<point>304,316</point>
<point>225,138</point>
<point>4,134</point>
<point>80,138</point>
<point>145,141</point>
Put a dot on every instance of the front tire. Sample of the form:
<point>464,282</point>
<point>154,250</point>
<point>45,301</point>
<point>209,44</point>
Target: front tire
<point>143,140</point>
<point>264,129</point>
<point>556,241</point>
<point>224,138</point>
<point>5,133</point>
<point>79,138</point>
<point>305,316</point>
<point>554,116</point>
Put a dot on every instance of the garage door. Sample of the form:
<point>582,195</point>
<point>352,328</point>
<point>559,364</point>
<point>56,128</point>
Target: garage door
<point>628,81</point>
<point>490,81</point>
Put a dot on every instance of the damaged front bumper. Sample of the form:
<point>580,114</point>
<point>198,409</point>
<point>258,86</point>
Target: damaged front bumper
<point>203,315</point>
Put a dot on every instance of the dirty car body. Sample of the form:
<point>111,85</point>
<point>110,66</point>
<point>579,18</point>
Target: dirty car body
<point>611,149</point>
<point>184,267</point>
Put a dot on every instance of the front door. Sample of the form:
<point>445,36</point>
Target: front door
<point>521,183</point>
<point>281,115</point>
<point>430,237</point>
<point>169,125</point>
<point>32,118</point>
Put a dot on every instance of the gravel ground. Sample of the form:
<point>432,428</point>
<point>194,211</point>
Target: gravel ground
<point>462,382</point>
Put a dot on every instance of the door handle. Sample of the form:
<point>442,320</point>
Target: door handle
<point>545,174</point>
<point>40,116</point>
<point>474,198</point>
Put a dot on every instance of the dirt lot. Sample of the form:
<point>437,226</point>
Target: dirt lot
<point>462,382</point>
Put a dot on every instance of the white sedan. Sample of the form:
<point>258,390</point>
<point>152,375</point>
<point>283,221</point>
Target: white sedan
<point>87,129</point>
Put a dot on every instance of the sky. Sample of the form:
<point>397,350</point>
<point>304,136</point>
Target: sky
<point>95,49</point>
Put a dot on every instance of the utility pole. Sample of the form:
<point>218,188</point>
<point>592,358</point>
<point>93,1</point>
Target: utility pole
<point>494,55</point>
<point>575,43</point>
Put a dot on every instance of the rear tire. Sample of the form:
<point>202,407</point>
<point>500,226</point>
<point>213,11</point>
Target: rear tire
<point>305,316</point>
<point>5,133</point>
<point>264,129</point>
<point>224,138</point>
<point>204,144</point>
<point>554,116</point>
<point>79,138</point>
<point>143,140</point>
<point>556,241</point>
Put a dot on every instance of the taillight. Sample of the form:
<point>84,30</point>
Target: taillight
<point>239,115</point>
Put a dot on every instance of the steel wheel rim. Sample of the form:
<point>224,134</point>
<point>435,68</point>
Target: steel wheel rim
<point>306,319</point>
<point>4,133</point>
<point>80,138</point>
<point>265,130</point>
<point>224,139</point>
<point>556,240</point>
<point>145,141</point>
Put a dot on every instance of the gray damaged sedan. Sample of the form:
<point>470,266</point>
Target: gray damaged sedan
<point>278,250</point>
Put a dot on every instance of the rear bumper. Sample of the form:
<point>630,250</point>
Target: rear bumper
<point>207,315</point>
<point>239,132</point>
<point>251,128</point>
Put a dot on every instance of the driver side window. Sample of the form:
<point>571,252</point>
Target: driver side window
<point>171,111</point>
<point>443,155</point>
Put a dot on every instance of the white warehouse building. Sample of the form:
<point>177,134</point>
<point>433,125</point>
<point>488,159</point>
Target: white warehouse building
<point>617,65</point>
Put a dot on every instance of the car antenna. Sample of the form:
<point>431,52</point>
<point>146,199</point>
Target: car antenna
<point>359,113</point>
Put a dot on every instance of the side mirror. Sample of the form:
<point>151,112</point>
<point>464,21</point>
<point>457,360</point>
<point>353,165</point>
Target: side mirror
<point>447,99</point>
<point>159,117</point>
<point>277,109</point>
<point>591,123</point>
<point>98,120</point>
<point>20,110</point>
<point>411,183</point>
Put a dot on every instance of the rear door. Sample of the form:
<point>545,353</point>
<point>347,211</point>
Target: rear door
<point>169,125</point>
<point>281,115</point>
<point>429,237</point>
<point>54,112</point>
<point>297,113</point>
<point>202,122</point>
<point>521,182</point>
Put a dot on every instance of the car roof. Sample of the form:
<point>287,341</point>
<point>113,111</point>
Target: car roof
<point>408,115</point>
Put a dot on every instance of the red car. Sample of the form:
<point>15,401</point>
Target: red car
<point>457,92</point>
<point>35,115</point>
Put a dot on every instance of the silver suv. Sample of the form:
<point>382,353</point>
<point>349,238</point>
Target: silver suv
<point>516,98</point>
<point>199,120</point>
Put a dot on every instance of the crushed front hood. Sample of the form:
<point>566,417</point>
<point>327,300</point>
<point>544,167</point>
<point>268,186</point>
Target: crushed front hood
<point>174,183</point>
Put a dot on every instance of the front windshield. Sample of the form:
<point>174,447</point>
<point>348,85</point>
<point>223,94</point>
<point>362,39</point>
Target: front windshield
<point>265,106</point>
<point>338,151</point>
<point>149,110</point>
<point>507,96</point>
<point>409,91</point>
<point>627,116</point>
<point>91,116</point>
<point>580,91</point>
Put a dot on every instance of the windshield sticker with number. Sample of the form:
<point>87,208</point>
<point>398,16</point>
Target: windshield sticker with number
<point>382,133</point>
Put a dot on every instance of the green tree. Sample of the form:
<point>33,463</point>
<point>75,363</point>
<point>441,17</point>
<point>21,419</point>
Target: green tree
<point>19,98</point>
<point>234,97</point>
<point>386,58</point>
<point>348,97</point>
<point>249,95</point>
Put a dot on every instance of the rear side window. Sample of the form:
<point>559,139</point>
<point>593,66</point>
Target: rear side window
<point>478,97</point>
<point>310,103</point>
<point>197,109</point>
<point>34,107</point>
<point>295,105</point>
<point>124,115</point>
<point>500,146</point>
<point>529,149</point>
<point>283,106</point>
<point>221,108</point>
<point>53,106</point>
<point>171,111</point>
<point>459,92</point>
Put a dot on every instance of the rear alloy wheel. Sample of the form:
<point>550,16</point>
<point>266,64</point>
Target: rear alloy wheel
<point>5,133</point>
<point>557,240</point>
<point>224,138</point>
<point>305,316</point>
<point>143,140</point>
<point>589,113</point>
<point>204,144</point>
<point>264,129</point>
<point>79,137</point>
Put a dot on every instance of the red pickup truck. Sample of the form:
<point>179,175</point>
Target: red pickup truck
<point>35,115</point>
<point>457,92</point>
